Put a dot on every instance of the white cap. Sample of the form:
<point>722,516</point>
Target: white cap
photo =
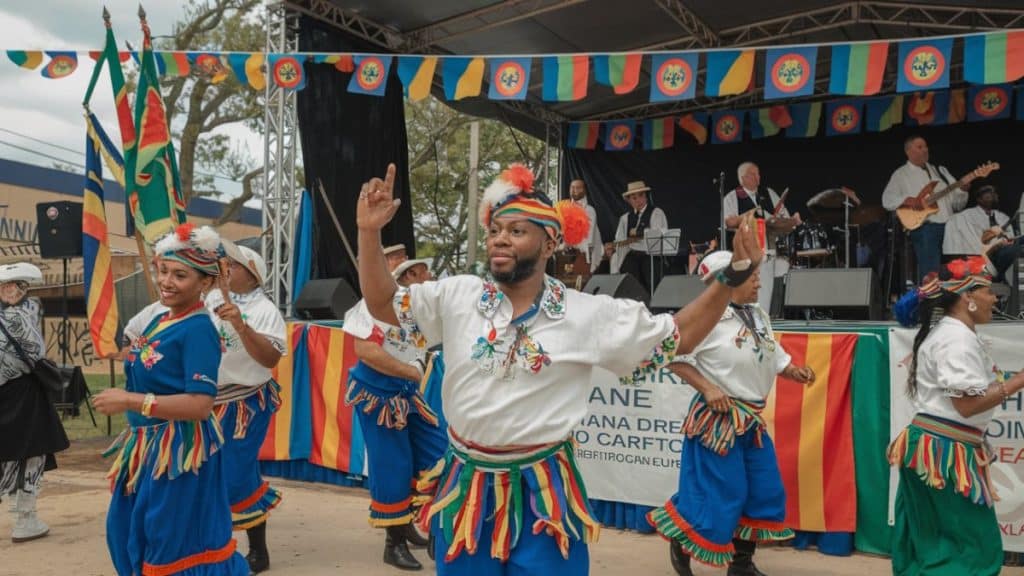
<point>20,272</point>
<point>714,263</point>
<point>247,257</point>
<point>401,268</point>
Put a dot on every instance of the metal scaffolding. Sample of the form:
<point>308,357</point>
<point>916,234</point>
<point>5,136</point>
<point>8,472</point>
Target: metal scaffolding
<point>280,143</point>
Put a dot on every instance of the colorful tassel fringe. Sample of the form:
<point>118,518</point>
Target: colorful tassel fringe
<point>394,407</point>
<point>171,448</point>
<point>673,527</point>
<point>717,431</point>
<point>762,530</point>
<point>246,411</point>
<point>941,451</point>
<point>255,509</point>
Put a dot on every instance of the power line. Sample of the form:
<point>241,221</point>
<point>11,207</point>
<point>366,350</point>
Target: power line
<point>43,154</point>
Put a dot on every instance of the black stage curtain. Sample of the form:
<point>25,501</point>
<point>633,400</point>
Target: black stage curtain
<point>346,140</point>
<point>682,177</point>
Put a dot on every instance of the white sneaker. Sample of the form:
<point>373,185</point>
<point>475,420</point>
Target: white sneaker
<point>27,526</point>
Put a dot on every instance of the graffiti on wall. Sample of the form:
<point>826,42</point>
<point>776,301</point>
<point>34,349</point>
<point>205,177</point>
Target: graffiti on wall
<point>80,351</point>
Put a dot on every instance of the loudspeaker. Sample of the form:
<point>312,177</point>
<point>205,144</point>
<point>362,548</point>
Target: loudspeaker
<point>675,292</point>
<point>617,286</point>
<point>830,288</point>
<point>325,299</point>
<point>59,226</point>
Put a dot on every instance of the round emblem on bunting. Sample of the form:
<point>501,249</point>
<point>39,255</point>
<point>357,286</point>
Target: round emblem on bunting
<point>210,65</point>
<point>508,78</point>
<point>674,76</point>
<point>370,74</point>
<point>60,66</point>
<point>791,73</point>
<point>990,101</point>
<point>727,128</point>
<point>923,66</point>
<point>287,72</point>
<point>620,137</point>
<point>845,118</point>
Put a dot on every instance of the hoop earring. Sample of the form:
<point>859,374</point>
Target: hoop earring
<point>971,306</point>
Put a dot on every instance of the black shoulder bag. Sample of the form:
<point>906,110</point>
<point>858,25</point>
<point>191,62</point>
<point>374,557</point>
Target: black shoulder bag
<point>44,369</point>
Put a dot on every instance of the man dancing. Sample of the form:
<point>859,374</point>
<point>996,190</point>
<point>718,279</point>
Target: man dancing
<point>520,350</point>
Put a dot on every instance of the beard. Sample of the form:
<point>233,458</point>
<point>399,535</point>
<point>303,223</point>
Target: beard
<point>522,270</point>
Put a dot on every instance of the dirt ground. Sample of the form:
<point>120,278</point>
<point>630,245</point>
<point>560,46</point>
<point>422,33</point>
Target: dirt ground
<point>322,530</point>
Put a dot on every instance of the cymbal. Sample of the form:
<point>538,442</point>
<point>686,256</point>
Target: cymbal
<point>858,216</point>
<point>833,198</point>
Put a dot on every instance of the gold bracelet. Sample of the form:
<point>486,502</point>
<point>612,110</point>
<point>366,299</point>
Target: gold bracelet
<point>148,403</point>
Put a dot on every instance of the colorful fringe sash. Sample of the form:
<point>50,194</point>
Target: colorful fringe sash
<point>554,491</point>
<point>271,391</point>
<point>170,448</point>
<point>717,431</point>
<point>947,451</point>
<point>394,396</point>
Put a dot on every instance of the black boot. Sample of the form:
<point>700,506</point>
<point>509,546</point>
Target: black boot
<point>396,551</point>
<point>743,560</point>
<point>431,542</point>
<point>413,536</point>
<point>680,559</point>
<point>258,556</point>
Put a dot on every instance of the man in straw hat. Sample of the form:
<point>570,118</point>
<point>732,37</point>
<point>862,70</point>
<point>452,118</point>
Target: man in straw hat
<point>631,257</point>
<point>520,351</point>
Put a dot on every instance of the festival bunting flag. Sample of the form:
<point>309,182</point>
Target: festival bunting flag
<point>957,106</point>
<point>659,133</point>
<point>726,127</point>
<point>61,65</point>
<point>248,69</point>
<point>371,75</point>
<point>769,121</point>
<point>100,298</point>
<point>172,63</point>
<point>696,124</point>
<point>789,72</point>
<point>812,427</point>
<point>209,66</point>
<point>337,440</point>
<point>924,64</point>
<point>806,117</point>
<point>620,71</point>
<point>509,78</point>
<point>417,75</point>
<point>858,69</point>
<point>152,182</point>
<point>673,76</point>
<point>988,103</point>
<point>30,59</point>
<point>619,135</point>
<point>884,113</point>
<point>289,435</point>
<point>583,135</point>
<point>462,77</point>
<point>729,72</point>
<point>341,62</point>
<point>287,71</point>
<point>843,117</point>
<point>994,58</point>
<point>565,78</point>
<point>936,108</point>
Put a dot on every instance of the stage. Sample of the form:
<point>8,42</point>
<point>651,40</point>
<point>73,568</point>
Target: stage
<point>830,437</point>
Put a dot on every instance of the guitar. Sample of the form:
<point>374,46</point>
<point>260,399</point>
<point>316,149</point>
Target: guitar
<point>997,231</point>
<point>913,218</point>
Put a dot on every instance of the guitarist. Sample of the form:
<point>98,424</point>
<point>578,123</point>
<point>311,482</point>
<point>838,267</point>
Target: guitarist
<point>766,205</point>
<point>902,191</point>
<point>983,225</point>
<point>631,258</point>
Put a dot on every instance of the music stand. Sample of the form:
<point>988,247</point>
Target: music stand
<point>661,243</point>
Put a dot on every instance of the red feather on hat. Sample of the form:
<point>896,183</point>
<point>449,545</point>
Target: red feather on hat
<point>519,176</point>
<point>575,222</point>
<point>184,231</point>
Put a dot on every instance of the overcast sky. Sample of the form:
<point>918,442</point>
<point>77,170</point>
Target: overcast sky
<point>51,110</point>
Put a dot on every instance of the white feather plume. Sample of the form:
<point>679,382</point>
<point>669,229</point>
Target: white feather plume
<point>169,243</point>
<point>206,238</point>
<point>498,191</point>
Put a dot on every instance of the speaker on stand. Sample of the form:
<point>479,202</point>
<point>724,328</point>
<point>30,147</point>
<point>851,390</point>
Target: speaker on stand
<point>325,299</point>
<point>617,286</point>
<point>840,291</point>
<point>675,292</point>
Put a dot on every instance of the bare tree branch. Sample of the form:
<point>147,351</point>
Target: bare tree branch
<point>235,205</point>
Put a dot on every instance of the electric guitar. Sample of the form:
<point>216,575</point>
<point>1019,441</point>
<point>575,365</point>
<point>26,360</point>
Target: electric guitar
<point>997,231</point>
<point>913,218</point>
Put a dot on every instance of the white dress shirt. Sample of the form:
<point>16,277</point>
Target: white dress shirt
<point>963,231</point>
<point>237,367</point>
<point>730,205</point>
<point>658,222</point>
<point>496,393</point>
<point>398,343</point>
<point>908,180</point>
<point>733,359</point>
<point>592,246</point>
<point>952,363</point>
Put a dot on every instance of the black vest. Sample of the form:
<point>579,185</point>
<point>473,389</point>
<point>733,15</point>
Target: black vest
<point>634,228</point>
<point>744,203</point>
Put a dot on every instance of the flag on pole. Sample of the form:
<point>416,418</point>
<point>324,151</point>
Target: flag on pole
<point>620,71</point>
<point>857,69</point>
<point>994,58</point>
<point>100,299</point>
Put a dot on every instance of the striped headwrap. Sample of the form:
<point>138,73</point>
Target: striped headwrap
<point>966,275</point>
<point>511,194</point>
<point>198,248</point>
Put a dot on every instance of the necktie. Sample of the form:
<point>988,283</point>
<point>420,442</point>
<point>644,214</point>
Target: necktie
<point>992,219</point>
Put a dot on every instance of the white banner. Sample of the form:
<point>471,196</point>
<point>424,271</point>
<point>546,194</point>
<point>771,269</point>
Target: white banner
<point>629,443</point>
<point>1005,433</point>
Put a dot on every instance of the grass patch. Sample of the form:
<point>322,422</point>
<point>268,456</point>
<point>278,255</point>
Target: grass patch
<point>80,427</point>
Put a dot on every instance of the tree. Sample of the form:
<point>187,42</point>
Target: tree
<point>439,175</point>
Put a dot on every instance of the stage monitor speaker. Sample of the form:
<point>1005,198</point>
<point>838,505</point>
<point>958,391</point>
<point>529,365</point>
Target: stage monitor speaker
<point>675,292</point>
<point>325,299</point>
<point>617,286</point>
<point>59,227</point>
<point>830,288</point>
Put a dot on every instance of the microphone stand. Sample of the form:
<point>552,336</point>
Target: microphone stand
<point>721,200</point>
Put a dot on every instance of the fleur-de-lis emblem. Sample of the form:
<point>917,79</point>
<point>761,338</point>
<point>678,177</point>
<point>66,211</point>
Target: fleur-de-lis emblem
<point>791,71</point>
<point>845,118</point>
<point>287,72</point>
<point>510,78</point>
<point>370,73</point>
<point>674,77</point>
<point>924,65</point>
<point>727,127</point>
<point>991,100</point>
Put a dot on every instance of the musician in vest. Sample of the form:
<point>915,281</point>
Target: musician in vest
<point>983,228</point>
<point>631,257</point>
<point>592,246</point>
<point>766,205</point>
<point>401,431</point>
<point>902,191</point>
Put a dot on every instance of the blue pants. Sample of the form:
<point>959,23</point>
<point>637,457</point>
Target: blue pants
<point>927,242</point>
<point>251,497</point>
<point>533,555</point>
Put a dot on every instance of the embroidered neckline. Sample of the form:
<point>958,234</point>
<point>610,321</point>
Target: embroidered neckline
<point>552,302</point>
